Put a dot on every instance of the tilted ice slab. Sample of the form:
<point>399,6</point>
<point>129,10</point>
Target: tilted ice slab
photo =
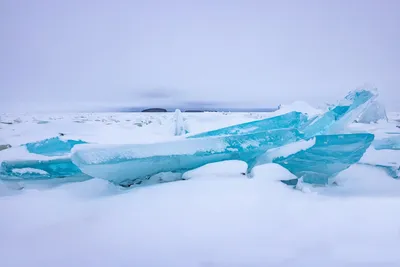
<point>329,155</point>
<point>131,163</point>
<point>52,146</point>
<point>335,119</point>
<point>289,120</point>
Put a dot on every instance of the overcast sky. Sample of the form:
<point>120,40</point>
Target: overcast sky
<point>261,52</point>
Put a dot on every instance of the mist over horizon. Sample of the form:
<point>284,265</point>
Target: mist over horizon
<point>59,55</point>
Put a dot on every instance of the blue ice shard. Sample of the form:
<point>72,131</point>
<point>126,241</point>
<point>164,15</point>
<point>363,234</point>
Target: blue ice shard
<point>289,120</point>
<point>375,112</point>
<point>39,169</point>
<point>52,146</point>
<point>336,118</point>
<point>329,155</point>
<point>124,164</point>
<point>391,142</point>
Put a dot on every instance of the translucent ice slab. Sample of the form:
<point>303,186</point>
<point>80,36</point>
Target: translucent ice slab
<point>124,164</point>
<point>52,146</point>
<point>391,142</point>
<point>39,169</point>
<point>289,120</point>
<point>345,112</point>
<point>374,113</point>
<point>329,155</point>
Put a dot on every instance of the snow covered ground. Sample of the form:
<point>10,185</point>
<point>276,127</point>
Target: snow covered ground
<point>218,217</point>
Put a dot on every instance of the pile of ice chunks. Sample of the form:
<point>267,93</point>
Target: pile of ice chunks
<point>332,150</point>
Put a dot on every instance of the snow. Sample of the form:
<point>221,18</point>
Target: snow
<point>218,217</point>
<point>228,168</point>
<point>95,154</point>
<point>272,171</point>
<point>289,149</point>
<point>383,157</point>
<point>27,170</point>
<point>299,106</point>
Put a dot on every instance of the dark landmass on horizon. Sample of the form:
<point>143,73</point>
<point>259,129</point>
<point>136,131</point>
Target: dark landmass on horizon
<point>218,109</point>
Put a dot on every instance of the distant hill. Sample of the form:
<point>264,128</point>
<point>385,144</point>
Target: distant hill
<point>192,109</point>
<point>154,110</point>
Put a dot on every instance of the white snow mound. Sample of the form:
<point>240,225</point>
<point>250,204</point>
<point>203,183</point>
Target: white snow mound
<point>299,106</point>
<point>272,171</point>
<point>228,168</point>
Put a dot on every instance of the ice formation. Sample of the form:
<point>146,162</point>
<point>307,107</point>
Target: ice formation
<point>52,146</point>
<point>330,155</point>
<point>313,149</point>
<point>338,117</point>
<point>289,120</point>
<point>179,123</point>
<point>122,163</point>
<point>391,142</point>
<point>39,169</point>
<point>374,113</point>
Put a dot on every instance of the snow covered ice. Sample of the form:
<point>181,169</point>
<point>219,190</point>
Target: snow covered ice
<point>121,163</point>
<point>215,214</point>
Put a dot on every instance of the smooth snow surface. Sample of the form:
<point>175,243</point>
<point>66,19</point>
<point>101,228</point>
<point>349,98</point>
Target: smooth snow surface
<point>300,106</point>
<point>228,168</point>
<point>216,218</point>
<point>272,171</point>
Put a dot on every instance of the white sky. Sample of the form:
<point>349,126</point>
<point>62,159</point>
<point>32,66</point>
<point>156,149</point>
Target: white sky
<point>262,52</point>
